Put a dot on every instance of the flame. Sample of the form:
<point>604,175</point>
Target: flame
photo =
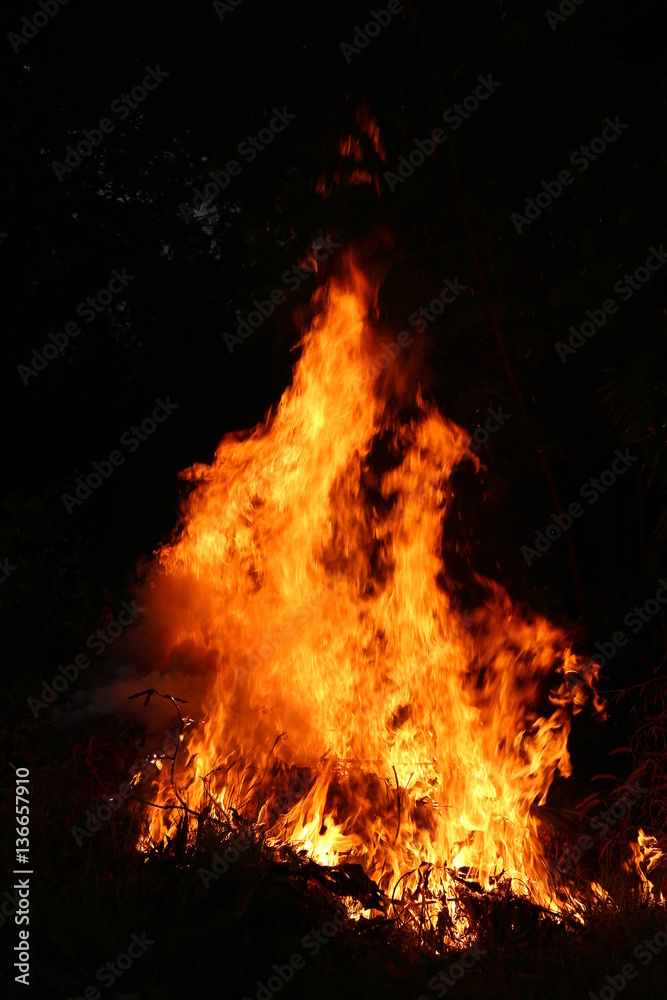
<point>343,697</point>
<point>354,150</point>
<point>647,856</point>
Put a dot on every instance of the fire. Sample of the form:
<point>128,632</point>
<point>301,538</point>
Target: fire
<point>305,597</point>
<point>648,859</point>
<point>359,155</point>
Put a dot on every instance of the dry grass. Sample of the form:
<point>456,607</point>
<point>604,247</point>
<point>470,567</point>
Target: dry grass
<point>88,900</point>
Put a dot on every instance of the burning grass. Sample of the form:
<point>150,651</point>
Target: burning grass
<point>346,749</point>
<point>271,897</point>
<point>427,746</point>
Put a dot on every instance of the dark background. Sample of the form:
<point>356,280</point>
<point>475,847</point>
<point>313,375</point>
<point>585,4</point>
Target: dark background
<point>120,208</point>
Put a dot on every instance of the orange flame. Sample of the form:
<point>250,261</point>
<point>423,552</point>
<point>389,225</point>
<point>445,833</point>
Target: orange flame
<point>364,145</point>
<point>306,595</point>
<point>647,856</point>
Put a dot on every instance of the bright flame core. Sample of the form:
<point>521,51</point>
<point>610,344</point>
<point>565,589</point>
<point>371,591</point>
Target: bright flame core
<point>308,593</point>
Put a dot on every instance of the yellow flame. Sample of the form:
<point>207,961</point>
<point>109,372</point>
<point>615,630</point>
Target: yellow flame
<point>306,595</point>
